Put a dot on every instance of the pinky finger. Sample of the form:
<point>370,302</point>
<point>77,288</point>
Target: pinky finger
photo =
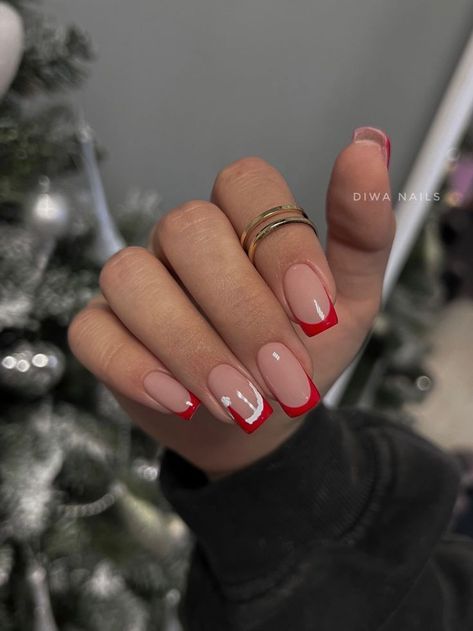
<point>105,347</point>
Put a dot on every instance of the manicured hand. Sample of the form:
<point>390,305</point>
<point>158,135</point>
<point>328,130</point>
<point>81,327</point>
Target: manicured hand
<point>197,343</point>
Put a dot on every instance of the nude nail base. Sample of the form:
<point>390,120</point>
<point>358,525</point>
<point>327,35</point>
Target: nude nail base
<point>170,394</point>
<point>311,329</point>
<point>240,398</point>
<point>314,399</point>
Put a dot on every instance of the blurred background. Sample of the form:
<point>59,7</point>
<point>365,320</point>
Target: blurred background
<point>112,113</point>
<point>180,89</point>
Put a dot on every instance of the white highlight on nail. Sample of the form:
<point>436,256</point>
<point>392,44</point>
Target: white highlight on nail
<point>320,313</point>
<point>257,410</point>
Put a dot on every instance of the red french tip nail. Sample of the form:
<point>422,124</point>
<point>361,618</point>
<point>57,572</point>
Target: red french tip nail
<point>314,399</point>
<point>240,398</point>
<point>191,409</point>
<point>311,329</point>
<point>249,428</point>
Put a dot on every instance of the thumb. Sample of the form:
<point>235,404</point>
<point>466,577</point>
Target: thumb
<point>361,223</point>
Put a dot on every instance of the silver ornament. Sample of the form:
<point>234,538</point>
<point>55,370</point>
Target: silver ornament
<point>49,213</point>
<point>32,369</point>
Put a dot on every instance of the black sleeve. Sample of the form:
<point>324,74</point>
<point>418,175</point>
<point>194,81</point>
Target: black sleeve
<point>342,528</point>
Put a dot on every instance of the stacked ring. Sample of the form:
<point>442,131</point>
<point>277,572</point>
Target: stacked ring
<point>275,224</point>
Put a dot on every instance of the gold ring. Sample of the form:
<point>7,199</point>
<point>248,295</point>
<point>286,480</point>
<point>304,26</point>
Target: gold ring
<point>275,225</point>
<point>264,215</point>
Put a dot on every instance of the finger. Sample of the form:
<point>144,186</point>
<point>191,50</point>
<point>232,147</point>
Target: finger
<point>150,304</point>
<point>361,222</point>
<point>201,246</point>
<point>290,259</point>
<point>105,347</point>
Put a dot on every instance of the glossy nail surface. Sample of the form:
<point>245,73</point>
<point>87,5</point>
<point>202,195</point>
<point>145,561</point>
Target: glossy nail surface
<point>239,397</point>
<point>308,300</point>
<point>288,381</point>
<point>168,392</point>
<point>376,136</point>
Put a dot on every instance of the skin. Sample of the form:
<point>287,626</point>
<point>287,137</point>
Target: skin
<point>193,300</point>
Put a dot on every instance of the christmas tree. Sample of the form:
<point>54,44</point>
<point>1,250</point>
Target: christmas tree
<point>87,543</point>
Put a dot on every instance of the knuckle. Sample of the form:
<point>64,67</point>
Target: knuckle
<point>249,308</point>
<point>108,358</point>
<point>187,218</point>
<point>80,329</point>
<point>120,263</point>
<point>90,342</point>
<point>240,169</point>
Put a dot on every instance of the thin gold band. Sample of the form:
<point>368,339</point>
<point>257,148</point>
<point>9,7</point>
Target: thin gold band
<point>264,215</point>
<point>275,225</point>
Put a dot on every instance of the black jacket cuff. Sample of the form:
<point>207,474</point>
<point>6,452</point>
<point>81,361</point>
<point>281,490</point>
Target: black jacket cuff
<point>256,521</point>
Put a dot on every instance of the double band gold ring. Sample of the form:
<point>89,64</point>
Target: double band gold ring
<point>249,245</point>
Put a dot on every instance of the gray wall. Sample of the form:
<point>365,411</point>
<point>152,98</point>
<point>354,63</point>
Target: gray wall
<point>183,87</point>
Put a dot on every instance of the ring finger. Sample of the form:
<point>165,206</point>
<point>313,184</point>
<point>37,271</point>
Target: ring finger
<point>291,260</point>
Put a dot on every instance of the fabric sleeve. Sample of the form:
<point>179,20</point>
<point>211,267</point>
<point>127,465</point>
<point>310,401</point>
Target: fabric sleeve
<point>342,527</point>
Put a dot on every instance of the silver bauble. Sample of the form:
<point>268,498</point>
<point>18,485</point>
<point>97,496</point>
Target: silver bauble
<point>32,369</point>
<point>49,213</point>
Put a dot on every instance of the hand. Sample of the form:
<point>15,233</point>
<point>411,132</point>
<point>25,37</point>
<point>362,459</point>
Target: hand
<point>193,317</point>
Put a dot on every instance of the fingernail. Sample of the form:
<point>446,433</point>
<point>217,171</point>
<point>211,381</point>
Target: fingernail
<point>166,391</point>
<point>287,380</point>
<point>376,136</point>
<point>308,300</point>
<point>239,397</point>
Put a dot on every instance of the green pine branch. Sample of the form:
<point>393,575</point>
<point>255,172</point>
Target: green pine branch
<point>56,58</point>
